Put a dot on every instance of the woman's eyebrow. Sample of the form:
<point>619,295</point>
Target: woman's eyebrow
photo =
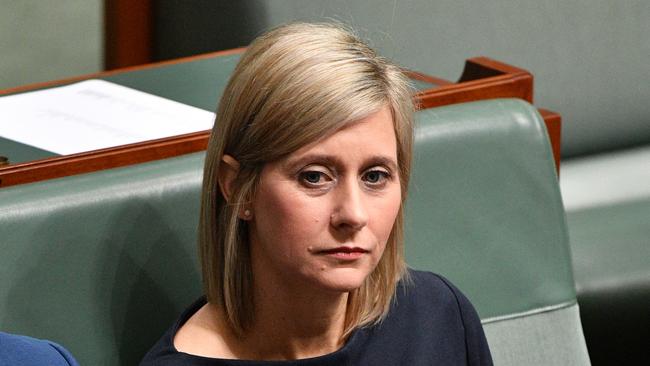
<point>324,159</point>
<point>335,161</point>
<point>386,161</point>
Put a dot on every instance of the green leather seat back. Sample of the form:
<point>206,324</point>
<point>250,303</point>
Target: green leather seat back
<point>484,191</point>
<point>485,210</point>
<point>104,262</point>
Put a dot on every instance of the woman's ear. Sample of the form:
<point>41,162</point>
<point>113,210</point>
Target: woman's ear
<point>228,170</point>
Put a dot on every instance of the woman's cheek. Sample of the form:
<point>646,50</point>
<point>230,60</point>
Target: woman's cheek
<point>387,212</point>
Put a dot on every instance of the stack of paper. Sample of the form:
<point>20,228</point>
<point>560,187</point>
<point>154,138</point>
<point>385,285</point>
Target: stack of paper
<point>94,114</point>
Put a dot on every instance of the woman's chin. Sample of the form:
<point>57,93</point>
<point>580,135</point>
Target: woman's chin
<point>340,280</point>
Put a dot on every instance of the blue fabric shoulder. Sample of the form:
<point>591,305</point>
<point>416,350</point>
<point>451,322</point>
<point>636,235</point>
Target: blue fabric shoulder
<point>27,351</point>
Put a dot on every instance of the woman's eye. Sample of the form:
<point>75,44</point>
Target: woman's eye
<point>314,178</point>
<point>376,177</point>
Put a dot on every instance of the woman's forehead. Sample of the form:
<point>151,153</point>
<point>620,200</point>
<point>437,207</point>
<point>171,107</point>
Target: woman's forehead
<point>372,136</point>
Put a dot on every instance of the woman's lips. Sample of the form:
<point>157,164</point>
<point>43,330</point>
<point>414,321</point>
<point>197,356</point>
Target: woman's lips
<point>344,253</point>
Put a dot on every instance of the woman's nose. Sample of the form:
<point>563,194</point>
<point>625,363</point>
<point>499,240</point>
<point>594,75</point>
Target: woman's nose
<point>350,212</point>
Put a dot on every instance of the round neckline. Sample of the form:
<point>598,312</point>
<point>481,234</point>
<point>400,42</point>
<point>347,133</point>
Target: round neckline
<point>337,355</point>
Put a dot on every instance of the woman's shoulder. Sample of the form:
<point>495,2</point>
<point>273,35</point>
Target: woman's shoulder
<point>429,302</point>
<point>428,288</point>
<point>430,310</point>
<point>23,350</point>
<point>430,323</point>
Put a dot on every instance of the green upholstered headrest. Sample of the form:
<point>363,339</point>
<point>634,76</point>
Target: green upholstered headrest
<point>484,207</point>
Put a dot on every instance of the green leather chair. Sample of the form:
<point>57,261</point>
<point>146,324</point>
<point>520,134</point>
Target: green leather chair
<point>607,199</point>
<point>103,263</point>
<point>485,211</point>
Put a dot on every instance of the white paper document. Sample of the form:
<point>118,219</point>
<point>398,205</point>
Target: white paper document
<point>95,114</point>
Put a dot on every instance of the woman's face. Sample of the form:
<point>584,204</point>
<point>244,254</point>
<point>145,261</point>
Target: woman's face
<point>322,215</point>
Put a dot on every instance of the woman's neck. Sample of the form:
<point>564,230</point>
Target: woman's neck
<point>291,323</point>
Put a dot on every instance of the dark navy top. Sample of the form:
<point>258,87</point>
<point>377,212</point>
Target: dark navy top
<point>430,323</point>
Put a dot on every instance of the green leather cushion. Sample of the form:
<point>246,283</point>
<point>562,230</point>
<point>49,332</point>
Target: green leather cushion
<point>611,251</point>
<point>607,198</point>
<point>546,338</point>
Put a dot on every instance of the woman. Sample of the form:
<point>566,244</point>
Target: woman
<point>300,234</point>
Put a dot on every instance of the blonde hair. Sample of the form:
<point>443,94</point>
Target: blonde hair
<point>295,85</point>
